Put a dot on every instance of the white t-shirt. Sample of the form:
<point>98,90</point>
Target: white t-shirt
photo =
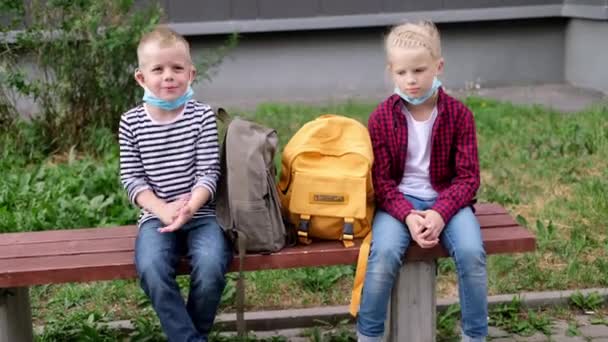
<point>416,180</point>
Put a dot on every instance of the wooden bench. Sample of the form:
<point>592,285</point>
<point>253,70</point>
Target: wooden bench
<point>82,255</point>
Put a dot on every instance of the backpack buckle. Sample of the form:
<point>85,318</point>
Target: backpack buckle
<point>348,234</point>
<point>303,229</point>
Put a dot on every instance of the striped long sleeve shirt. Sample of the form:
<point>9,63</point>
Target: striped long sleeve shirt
<point>171,159</point>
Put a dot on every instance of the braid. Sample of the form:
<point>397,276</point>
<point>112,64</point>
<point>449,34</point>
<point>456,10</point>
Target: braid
<point>423,34</point>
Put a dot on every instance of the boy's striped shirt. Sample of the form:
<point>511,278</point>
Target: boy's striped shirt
<point>171,159</point>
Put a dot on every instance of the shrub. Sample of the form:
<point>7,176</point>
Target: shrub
<point>79,62</point>
<point>81,55</point>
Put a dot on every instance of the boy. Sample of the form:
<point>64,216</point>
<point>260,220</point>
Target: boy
<point>425,175</point>
<point>169,166</point>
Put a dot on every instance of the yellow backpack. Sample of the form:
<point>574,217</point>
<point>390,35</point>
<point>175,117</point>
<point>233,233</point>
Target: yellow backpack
<point>325,186</point>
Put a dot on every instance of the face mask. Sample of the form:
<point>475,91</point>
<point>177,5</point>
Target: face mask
<point>420,100</point>
<point>151,99</point>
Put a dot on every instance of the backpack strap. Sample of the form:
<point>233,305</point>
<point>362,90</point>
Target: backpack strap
<point>239,240</point>
<point>241,326</point>
<point>360,274</point>
<point>223,116</point>
<point>303,229</point>
<point>348,232</point>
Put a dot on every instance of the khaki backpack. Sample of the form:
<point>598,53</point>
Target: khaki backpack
<point>247,203</point>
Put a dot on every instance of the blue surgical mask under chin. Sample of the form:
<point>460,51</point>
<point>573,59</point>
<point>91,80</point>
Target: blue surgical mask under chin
<point>419,100</point>
<point>151,99</point>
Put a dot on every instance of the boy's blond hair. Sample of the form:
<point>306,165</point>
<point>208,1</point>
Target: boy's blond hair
<point>165,37</point>
<point>423,33</point>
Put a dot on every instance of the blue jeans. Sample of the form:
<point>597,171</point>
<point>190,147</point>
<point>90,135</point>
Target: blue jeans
<point>156,258</point>
<point>461,237</point>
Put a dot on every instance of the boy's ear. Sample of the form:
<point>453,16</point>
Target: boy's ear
<point>139,77</point>
<point>192,74</point>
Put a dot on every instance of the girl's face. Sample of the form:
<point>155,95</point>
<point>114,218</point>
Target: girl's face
<point>413,69</point>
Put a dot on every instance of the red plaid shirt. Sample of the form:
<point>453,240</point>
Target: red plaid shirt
<point>454,165</point>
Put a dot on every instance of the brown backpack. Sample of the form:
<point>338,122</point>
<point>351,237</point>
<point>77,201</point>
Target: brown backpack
<point>247,202</point>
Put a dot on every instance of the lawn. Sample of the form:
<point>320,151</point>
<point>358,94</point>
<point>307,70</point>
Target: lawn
<point>549,169</point>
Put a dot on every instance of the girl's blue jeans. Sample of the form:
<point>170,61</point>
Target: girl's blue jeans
<point>156,258</point>
<point>461,237</point>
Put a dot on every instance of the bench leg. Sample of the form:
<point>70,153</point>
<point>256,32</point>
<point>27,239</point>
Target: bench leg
<point>412,310</point>
<point>15,315</point>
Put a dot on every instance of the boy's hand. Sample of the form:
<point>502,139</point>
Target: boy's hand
<point>433,222</point>
<point>194,201</point>
<point>183,215</point>
<point>169,211</point>
<point>415,224</point>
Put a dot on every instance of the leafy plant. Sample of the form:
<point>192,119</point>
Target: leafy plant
<point>511,317</point>
<point>446,323</point>
<point>599,320</point>
<point>572,329</point>
<point>229,294</point>
<point>146,330</point>
<point>343,331</point>
<point>539,322</point>
<point>589,302</point>
<point>217,336</point>
<point>320,279</point>
<point>78,327</point>
<point>545,234</point>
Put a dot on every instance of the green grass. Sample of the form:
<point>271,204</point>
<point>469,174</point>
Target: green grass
<point>549,169</point>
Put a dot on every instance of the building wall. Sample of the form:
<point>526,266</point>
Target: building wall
<point>331,50</point>
<point>586,53</point>
<point>180,11</point>
<point>331,65</point>
<point>245,16</point>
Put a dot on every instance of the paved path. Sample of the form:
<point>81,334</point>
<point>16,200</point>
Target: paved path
<point>561,331</point>
<point>561,97</point>
<point>579,329</point>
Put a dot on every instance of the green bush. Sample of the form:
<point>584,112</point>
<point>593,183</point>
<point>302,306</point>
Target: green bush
<point>82,54</point>
<point>80,58</point>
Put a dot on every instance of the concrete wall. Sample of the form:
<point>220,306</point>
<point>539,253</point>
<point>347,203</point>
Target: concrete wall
<point>331,50</point>
<point>245,16</point>
<point>318,66</point>
<point>587,9</point>
<point>322,50</point>
<point>586,53</point>
<point>179,11</point>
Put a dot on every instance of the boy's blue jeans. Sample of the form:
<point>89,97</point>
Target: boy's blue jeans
<point>461,237</point>
<point>156,257</point>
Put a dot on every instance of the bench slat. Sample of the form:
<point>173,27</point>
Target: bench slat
<point>53,242</point>
<point>482,209</point>
<point>123,240</point>
<point>117,265</point>
<point>8,239</point>
<point>108,245</point>
<point>489,209</point>
<point>70,268</point>
<point>496,221</point>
